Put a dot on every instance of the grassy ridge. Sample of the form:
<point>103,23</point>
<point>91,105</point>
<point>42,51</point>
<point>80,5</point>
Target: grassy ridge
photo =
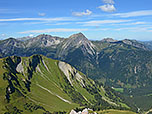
<point>39,86</point>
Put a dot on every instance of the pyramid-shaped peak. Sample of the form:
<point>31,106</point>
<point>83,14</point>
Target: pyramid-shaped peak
<point>78,36</point>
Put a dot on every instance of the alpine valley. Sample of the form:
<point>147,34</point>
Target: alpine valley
<point>48,74</point>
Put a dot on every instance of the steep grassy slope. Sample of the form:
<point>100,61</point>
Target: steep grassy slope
<point>38,84</point>
<point>31,84</point>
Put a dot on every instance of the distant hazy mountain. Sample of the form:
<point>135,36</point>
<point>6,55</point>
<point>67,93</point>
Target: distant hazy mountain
<point>24,38</point>
<point>148,44</point>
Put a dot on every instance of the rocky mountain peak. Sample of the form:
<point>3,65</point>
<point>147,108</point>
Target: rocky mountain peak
<point>6,46</point>
<point>108,40</point>
<point>78,41</point>
<point>43,36</point>
<point>134,43</point>
<point>12,41</point>
<point>127,41</point>
<point>24,38</point>
<point>78,36</point>
<point>44,40</point>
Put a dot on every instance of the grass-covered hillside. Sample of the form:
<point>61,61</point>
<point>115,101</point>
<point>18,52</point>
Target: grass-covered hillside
<point>38,84</point>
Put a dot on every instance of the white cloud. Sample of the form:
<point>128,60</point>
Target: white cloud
<point>41,14</point>
<point>8,11</point>
<point>53,30</point>
<point>101,29</point>
<point>135,23</point>
<point>108,1</point>
<point>79,14</point>
<point>64,23</point>
<point>138,23</point>
<point>3,35</point>
<point>37,19</point>
<point>134,14</point>
<point>47,23</point>
<point>99,22</point>
<point>107,8</point>
<point>35,23</point>
<point>134,29</point>
<point>31,35</point>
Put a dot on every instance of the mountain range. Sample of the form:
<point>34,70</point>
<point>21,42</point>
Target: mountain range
<point>124,64</point>
<point>103,59</point>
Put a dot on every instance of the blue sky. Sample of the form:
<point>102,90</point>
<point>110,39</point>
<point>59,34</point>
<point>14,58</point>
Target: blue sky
<point>97,19</point>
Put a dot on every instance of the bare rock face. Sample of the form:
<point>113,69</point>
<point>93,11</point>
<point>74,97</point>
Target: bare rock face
<point>67,69</point>
<point>20,68</point>
<point>71,73</point>
<point>73,112</point>
<point>85,111</point>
